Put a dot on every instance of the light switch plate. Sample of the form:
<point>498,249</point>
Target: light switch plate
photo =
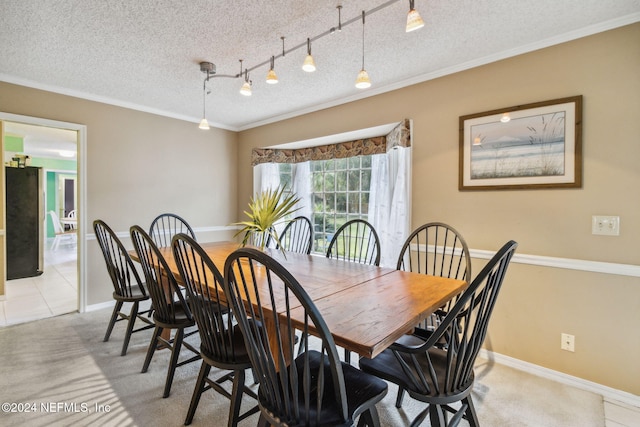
<point>605,225</point>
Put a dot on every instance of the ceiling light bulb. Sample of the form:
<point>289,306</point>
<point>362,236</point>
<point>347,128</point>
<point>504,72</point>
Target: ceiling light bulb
<point>363,82</point>
<point>505,118</point>
<point>309,65</point>
<point>414,21</point>
<point>246,89</point>
<point>477,141</point>
<point>204,124</point>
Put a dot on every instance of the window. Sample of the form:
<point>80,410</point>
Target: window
<point>366,177</point>
<point>339,193</point>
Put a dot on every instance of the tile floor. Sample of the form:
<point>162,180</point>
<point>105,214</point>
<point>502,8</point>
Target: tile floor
<point>53,293</point>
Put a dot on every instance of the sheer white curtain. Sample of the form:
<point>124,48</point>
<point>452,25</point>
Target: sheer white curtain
<point>301,187</point>
<point>390,201</point>
<point>265,176</point>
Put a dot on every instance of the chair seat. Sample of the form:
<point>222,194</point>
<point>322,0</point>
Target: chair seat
<point>387,366</point>
<point>180,320</point>
<point>136,295</point>
<point>236,352</point>
<point>362,391</point>
<point>211,305</point>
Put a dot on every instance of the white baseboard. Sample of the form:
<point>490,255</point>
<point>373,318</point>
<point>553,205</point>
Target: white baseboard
<point>100,306</point>
<point>608,393</point>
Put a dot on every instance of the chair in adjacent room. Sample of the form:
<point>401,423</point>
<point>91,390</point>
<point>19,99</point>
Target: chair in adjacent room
<point>128,288</point>
<point>222,345</point>
<point>312,388</point>
<point>356,241</point>
<point>60,233</point>
<point>72,215</point>
<point>170,308</point>
<point>167,225</point>
<point>443,375</point>
<point>297,236</point>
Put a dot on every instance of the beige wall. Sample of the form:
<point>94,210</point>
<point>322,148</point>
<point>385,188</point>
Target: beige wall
<point>538,303</point>
<point>138,166</point>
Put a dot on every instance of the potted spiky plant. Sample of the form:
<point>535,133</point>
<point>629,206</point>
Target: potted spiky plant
<point>266,210</point>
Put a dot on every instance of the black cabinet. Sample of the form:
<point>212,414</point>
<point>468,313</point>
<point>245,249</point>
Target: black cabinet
<point>24,214</point>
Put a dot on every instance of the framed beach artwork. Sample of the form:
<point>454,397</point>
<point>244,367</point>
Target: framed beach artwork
<point>529,146</point>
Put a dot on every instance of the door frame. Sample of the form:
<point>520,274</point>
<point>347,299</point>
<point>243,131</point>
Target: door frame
<point>81,201</point>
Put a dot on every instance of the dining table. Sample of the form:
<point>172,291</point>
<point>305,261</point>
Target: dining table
<point>365,307</point>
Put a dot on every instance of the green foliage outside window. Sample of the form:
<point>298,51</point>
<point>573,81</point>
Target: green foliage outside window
<point>340,192</point>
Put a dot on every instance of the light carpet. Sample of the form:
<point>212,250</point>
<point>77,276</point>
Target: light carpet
<point>58,372</point>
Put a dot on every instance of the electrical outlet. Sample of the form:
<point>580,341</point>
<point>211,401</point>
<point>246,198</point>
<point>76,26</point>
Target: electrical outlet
<point>605,225</point>
<point>567,342</point>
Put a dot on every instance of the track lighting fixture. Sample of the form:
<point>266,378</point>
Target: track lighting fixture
<point>414,20</point>
<point>309,65</point>
<point>363,81</point>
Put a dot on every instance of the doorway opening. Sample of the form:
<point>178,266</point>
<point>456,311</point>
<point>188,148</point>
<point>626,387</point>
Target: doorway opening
<point>57,148</point>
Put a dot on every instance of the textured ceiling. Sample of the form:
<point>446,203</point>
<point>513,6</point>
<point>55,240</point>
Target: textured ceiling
<point>144,54</point>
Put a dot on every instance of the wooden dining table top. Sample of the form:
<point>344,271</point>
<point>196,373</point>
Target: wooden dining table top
<point>366,307</point>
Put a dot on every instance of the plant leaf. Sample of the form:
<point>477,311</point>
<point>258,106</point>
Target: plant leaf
<point>266,209</point>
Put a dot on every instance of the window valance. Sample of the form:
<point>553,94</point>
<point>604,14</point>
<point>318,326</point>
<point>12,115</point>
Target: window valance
<point>400,136</point>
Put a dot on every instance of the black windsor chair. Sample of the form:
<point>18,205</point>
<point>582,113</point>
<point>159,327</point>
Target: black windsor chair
<point>128,288</point>
<point>356,241</point>
<point>221,342</point>
<point>436,249</point>
<point>441,376</point>
<point>315,388</point>
<point>167,225</point>
<point>297,236</point>
<point>170,309</point>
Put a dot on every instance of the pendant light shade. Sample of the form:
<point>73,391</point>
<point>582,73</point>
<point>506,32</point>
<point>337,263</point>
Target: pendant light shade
<point>204,124</point>
<point>246,89</point>
<point>246,86</point>
<point>272,78</point>
<point>414,20</point>
<point>309,64</point>
<point>363,81</point>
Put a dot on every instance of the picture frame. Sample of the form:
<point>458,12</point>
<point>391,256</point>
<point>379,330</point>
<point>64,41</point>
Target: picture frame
<point>530,146</point>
